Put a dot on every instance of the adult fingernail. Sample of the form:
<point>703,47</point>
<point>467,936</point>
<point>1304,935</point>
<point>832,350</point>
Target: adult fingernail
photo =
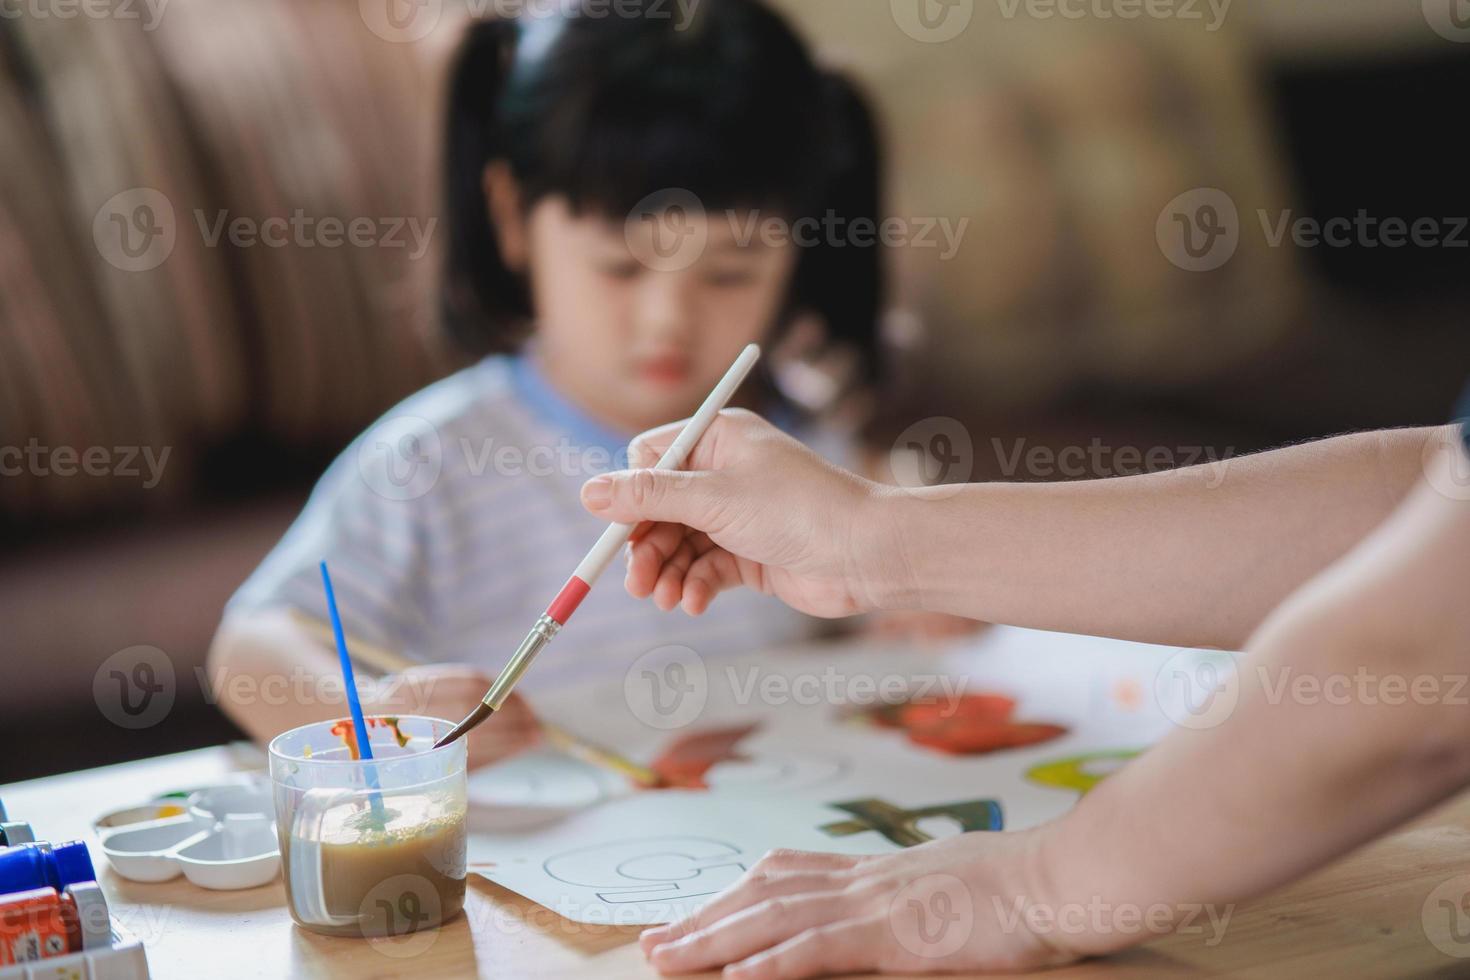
<point>597,493</point>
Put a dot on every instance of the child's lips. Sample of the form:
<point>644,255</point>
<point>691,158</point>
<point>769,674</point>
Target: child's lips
<point>669,370</point>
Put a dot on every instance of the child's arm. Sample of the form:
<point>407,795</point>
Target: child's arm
<point>271,673</point>
<point>1298,772</point>
<point>1195,556</point>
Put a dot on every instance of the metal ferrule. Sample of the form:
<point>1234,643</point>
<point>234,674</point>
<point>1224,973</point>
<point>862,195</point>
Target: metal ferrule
<point>541,634</point>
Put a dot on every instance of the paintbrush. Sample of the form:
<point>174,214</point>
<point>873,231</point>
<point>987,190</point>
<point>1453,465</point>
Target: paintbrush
<point>597,560</point>
<point>388,662</point>
<point>354,704</point>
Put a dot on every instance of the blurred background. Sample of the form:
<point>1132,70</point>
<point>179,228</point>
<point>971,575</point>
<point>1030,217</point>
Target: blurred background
<point>1138,184</point>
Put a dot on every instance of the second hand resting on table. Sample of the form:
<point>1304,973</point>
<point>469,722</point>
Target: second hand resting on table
<point>1331,559</point>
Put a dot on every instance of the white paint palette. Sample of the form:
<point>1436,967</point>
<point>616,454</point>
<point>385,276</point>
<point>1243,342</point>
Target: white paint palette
<point>225,840</point>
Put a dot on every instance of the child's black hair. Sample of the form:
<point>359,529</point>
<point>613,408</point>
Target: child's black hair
<point>607,109</point>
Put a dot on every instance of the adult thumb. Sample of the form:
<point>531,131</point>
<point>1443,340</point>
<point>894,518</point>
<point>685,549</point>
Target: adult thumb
<point>692,498</point>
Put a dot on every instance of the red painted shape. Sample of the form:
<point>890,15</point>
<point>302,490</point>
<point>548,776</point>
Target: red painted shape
<point>567,600</point>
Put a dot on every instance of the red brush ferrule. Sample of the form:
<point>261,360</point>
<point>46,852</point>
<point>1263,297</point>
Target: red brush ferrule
<point>567,600</point>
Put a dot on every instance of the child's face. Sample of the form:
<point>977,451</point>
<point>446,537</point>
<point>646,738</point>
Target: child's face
<point>628,334</point>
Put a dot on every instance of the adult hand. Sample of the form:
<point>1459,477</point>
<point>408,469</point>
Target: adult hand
<point>953,905</point>
<point>753,507</point>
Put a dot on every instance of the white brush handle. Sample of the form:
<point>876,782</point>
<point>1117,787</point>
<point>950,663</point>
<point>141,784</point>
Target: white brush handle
<point>616,535</point>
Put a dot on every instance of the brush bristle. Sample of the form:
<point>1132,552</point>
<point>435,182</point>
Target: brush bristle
<point>481,712</point>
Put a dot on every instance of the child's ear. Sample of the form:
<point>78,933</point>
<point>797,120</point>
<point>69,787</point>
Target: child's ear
<point>503,195</point>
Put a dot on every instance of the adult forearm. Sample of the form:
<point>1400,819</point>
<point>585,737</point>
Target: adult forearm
<point>1320,754</point>
<point>1195,556</point>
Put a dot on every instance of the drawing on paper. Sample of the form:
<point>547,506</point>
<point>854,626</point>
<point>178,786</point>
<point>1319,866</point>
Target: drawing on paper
<point>970,725</point>
<point>1082,772</point>
<point>909,827</point>
<point>650,869</point>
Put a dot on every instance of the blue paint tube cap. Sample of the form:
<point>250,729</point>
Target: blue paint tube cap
<point>44,865</point>
<point>73,863</point>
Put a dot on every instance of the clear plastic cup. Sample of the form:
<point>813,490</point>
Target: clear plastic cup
<point>371,849</point>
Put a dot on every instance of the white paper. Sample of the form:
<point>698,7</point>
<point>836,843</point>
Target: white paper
<point>585,843</point>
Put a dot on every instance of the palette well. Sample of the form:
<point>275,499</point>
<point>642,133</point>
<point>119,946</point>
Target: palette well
<point>224,839</point>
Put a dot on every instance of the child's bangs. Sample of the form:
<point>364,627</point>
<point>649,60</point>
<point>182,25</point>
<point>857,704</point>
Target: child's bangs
<point>729,162</point>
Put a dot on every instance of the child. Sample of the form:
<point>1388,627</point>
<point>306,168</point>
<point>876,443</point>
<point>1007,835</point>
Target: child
<point>455,519</point>
<point>1338,567</point>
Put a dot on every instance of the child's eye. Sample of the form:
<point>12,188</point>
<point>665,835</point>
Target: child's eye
<point>729,277</point>
<point>622,270</point>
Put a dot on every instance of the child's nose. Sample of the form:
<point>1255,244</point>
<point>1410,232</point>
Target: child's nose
<point>666,305</point>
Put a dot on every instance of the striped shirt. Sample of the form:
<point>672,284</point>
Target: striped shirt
<point>455,518</point>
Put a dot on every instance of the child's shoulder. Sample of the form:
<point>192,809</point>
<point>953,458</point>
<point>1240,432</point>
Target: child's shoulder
<point>442,433</point>
<point>471,399</point>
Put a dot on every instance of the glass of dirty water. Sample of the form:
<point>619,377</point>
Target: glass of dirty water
<point>371,848</point>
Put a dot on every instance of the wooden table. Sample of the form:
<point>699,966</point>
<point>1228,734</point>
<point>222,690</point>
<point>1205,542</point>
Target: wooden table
<point>1359,918</point>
